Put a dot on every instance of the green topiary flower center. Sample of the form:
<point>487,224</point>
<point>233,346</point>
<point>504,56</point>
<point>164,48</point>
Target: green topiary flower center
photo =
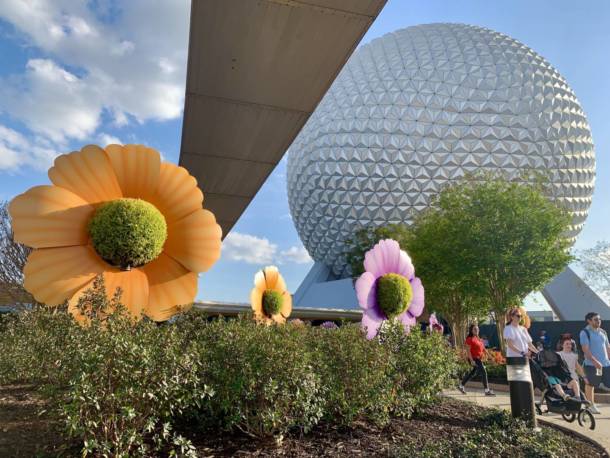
<point>272,302</point>
<point>128,232</point>
<point>394,294</point>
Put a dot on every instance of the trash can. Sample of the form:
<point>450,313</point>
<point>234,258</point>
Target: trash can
<point>521,389</point>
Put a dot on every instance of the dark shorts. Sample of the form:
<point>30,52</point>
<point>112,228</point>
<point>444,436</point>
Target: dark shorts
<point>595,380</point>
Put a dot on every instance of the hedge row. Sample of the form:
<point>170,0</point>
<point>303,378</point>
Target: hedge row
<point>136,390</point>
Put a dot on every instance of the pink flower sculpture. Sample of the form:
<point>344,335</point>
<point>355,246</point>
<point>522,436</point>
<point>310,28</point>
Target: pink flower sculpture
<point>388,289</point>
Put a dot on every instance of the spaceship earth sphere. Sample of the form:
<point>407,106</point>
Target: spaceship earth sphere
<point>421,107</point>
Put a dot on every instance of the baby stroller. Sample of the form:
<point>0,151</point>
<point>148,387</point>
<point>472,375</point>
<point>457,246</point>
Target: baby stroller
<point>547,364</point>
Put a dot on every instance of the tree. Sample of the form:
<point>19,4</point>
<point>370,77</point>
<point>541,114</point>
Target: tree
<point>13,257</point>
<point>443,260</point>
<point>509,239</point>
<point>596,264</point>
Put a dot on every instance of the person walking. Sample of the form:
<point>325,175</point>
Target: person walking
<point>476,349</point>
<point>518,340</point>
<point>595,346</point>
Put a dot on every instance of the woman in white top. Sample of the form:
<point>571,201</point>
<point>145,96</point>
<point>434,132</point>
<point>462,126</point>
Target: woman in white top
<point>518,340</point>
<point>571,358</point>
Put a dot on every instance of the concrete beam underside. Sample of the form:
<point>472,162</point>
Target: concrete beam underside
<point>257,69</point>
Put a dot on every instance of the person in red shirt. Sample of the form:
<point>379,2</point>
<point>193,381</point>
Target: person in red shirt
<point>476,348</point>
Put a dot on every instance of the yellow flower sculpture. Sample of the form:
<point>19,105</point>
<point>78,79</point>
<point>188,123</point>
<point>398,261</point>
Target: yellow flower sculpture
<point>121,213</point>
<point>270,300</point>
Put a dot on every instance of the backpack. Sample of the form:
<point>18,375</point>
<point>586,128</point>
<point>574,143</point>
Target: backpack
<point>589,338</point>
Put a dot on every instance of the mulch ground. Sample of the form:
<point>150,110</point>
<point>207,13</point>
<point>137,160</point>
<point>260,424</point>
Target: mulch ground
<point>448,418</point>
<point>25,432</point>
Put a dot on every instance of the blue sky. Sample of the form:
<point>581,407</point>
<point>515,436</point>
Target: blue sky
<point>73,73</point>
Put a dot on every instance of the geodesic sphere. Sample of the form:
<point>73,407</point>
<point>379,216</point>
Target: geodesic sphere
<point>420,107</point>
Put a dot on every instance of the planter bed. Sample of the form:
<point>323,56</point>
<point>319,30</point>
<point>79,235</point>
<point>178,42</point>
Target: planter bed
<point>25,434</point>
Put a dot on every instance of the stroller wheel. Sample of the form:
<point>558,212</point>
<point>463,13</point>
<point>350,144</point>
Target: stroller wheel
<point>586,419</point>
<point>569,417</point>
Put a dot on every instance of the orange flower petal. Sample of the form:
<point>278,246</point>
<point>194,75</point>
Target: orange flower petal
<point>87,173</point>
<point>177,195</point>
<point>286,309</point>
<point>194,241</point>
<point>137,169</point>
<point>50,216</point>
<point>278,318</point>
<point>170,287</point>
<point>259,281</point>
<point>280,284</point>
<point>53,275</point>
<point>134,292</point>
<point>271,276</point>
<point>256,301</point>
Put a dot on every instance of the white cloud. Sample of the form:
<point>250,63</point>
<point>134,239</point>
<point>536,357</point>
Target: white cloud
<point>107,139</point>
<point>257,250</point>
<point>296,254</point>
<point>248,248</point>
<point>124,58</point>
<point>52,102</point>
<point>17,151</point>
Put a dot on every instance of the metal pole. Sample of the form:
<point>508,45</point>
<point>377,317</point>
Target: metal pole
<point>521,389</point>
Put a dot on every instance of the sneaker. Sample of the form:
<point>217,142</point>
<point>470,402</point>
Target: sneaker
<point>461,388</point>
<point>489,393</point>
<point>594,409</point>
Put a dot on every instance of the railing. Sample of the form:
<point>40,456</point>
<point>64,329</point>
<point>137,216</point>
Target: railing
<point>303,313</point>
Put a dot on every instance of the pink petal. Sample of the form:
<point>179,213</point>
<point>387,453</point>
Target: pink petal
<point>382,258</point>
<point>405,266</point>
<point>366,290</point>
<point>407,319</point>
<point>416,307</point>
<point>391,250</point>
<point>371,321</point>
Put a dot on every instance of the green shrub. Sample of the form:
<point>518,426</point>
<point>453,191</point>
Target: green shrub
<point>128,232</point>
<point>134,381</point>
<point>129,390</point>
<point>355,372</point>
<point>422,365</point>
<point>41,347</point>
<point>262,377</point>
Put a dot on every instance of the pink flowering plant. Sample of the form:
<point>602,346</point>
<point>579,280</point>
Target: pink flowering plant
<point>388,289</point>
<point>435,325</point>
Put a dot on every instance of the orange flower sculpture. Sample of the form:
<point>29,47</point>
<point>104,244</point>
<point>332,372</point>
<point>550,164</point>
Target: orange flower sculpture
<point>121,213</point>
<point>271,302</point>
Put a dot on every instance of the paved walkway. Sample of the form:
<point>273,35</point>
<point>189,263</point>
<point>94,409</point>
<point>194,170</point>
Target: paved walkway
<point>601,433</point>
